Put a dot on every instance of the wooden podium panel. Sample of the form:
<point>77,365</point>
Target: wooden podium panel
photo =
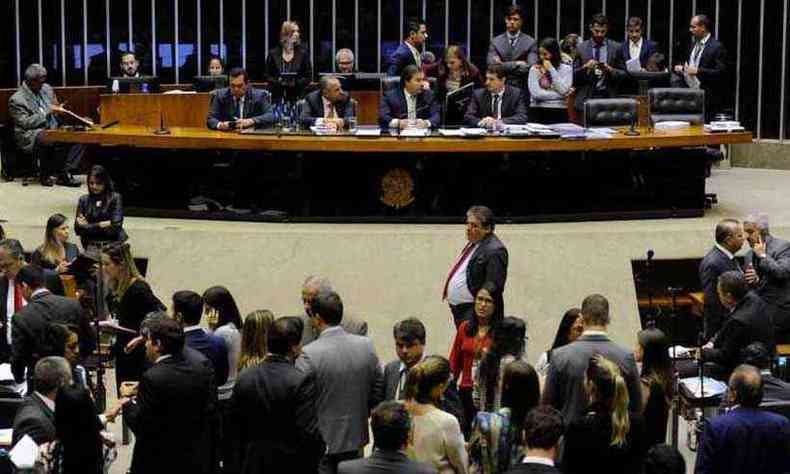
<point>178,110</point>
<point>368,113</point>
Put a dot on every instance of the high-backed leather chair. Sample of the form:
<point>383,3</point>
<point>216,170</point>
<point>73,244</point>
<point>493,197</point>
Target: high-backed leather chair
<point>677,103</point>
<point>610,112</point>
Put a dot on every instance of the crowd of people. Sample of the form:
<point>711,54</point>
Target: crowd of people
<point>206,390</point>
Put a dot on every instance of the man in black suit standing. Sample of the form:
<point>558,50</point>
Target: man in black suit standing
<point>770,271</point>
<point>329,106</point>
<point>749,322</point>
<point>240,106</point>
<point>565,383</point>
<point>12,259</point>
<point>484,258</point>
<point>273,409</point>
<point>637,45</point>
<point>188,308</point>
<point>721,258</point>
<point>170,408</point>
<point>705,67</point>
<point>497,103</point>
<point>36,415</point>
<point>599,65</point>
<point>408,52</point>
<point>29,325</point>
<point>410,105</point>
<point>391,426</point>
<point>542,434</point>
<point>514,50</point>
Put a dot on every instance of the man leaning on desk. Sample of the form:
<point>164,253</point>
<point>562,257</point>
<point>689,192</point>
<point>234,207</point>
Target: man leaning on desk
<point>328,107</point>
<point>240,106</point>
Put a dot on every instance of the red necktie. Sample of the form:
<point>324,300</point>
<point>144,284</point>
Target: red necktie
<point>464,254</point>
<point>18,298</point>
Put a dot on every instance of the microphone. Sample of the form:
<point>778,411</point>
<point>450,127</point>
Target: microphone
<point>162,130</point>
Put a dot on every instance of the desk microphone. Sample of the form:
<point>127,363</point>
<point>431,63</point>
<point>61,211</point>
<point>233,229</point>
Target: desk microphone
<point>403,116</point>
<point>632,131</point>
<point>162,130</point>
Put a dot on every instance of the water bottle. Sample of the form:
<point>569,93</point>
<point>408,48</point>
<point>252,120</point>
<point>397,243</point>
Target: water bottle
<point>144,88</point>
<point>115,86</point>
<point>352,120</point>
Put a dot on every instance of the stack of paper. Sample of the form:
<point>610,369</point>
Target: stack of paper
<point>709,387</point>
<point>672,125</point>
<point>451,132</point>
<point>368,132</point>
<point>415,132</point>
<point>474,132</point>
<point>724,126</point>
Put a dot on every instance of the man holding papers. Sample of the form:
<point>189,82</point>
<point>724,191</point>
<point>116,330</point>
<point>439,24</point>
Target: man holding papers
<point>496,103</point>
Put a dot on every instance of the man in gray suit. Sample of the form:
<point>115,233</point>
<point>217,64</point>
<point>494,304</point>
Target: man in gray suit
<point>36,415</point>
<point>391,426</point>
<point>33,109</point>
<point>599,65</point>
<point>348,380</point>
<point>564,389</point>
<point>310,288</point>
<point>516,51</point>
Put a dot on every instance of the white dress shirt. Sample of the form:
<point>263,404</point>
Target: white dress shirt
<point>635,48</point>
<point>696,52</point>
<point>457,290</point>
<point>498,111</point>
<point>9,300</point>
<point>414,53</point>
<point>411,109</point>
<point>537,460</point>
<point>329,111</point>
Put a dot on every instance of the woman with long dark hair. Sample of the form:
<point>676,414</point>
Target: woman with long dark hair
<point>224,319</point>
<point>497,440</point>
<point>472,340</point>
<point>507,344</point>
<point>550,82</point>
<point>56,252</point>
<point>100,212</point>
<point>653,352</point>
<point>570,329</point>
<point>607,438</point>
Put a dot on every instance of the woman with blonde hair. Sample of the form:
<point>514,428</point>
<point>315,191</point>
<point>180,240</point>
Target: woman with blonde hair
<point>56,252</point>
<point>254,332</point>
<point>437,437</point>
<point>288,57</point>
<point>607,438</point>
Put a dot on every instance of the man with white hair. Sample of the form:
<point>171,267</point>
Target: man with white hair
<point>345,61</point>
<point>313,285</point>
<point>770,271</point>
<point>34,107</point>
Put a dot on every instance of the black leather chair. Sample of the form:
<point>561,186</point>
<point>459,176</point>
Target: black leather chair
<point>676,103</point>
<point>390,82</point>
<point>780,408</point>
<point>610,112</point>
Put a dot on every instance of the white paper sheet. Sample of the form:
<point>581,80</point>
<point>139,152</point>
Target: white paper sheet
<point>25,453</point>
<point>633,65</point>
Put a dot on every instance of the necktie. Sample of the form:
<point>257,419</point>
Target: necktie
<point>330,111</point>
<point>495,111</point>
<point>513,41</point>
<point>695,54</point>
<point>18,298</point>
<point>237,109</point>
<point>412,108</point>
<point>402,383</point>
<point>598,52</point>
<point>464,254</point>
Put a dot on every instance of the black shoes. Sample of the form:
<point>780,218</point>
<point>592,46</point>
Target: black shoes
<point>47,181</point>
<point>68,180</point>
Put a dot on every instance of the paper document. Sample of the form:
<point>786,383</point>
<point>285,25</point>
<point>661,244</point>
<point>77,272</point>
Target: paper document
<point>368,132</point>
<point>415,132</point>
<point>633,65</point>
<point>25,453</point>
<point>691,81</point>
<point>474,132</point>
<point>711,387</point>
<point>451,132</point>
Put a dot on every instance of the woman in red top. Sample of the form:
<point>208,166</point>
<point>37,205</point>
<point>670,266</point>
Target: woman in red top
<point>471,343</point>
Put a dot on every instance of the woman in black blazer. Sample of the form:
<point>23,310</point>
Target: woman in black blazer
<point>100,212</point>
<point>288,57</point>
<point>56,253</point>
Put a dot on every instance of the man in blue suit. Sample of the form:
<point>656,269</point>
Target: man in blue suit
<point>637,45</point>
<point>408,52</point>
<point>410,104</point>
<point>240,106</point>
<point>746,439</point>
<point>188,309</point>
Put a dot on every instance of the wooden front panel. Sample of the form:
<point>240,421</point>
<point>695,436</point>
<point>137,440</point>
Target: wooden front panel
<point>368,113</point>
<point>178,110</point>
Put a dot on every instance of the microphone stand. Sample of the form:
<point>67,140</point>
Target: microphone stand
<point>675,376</point>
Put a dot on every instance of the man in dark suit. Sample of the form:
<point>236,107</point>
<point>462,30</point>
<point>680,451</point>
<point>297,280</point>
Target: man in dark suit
<point>770,272</point>
<point>273,409</point>
<point>29,325</point>
<point>312,285</point>
<point>348,379</point>
<point>514,50</point>
<point>240,106</point>
<point>410,338</point>
<point>721,258</point>
<point>542,434</point>
<point>36,415</point>
<point>637,45</point>
<point>706,66</point>
<point>410,105</point>
<point>483,259</point>
<point>565,382</point>
<point>408,52</point>
<point>170,407</point>
<point>599,65</point>
<point>775,390</point>
<point>12,259</point>
<point>496,103</point>
<point>749,322</point>
<point>188,308</point>
<point>391,426</point>
<point>746,439</point>
<point>329,106</point>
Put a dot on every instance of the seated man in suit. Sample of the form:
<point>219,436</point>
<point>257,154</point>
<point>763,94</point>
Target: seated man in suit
<point>391,426</point>
<point>170,407</point>
<point>188,309</point>
<point>240,106</point>
<point>542,434</point>
<point>36,416</point>
<point>599,67</point>
<point>312,285</point>
<point>408,52</point>
<point>497,103</point>
<point>746,439</point>
<point>748,322</point>
<point>329,106</point>
<point>30,324</point>
<point>775,390</point>
<point>410,105</point>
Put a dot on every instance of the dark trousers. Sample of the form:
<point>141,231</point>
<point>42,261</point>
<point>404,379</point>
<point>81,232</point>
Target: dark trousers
<point>329,462</point>
<point>55,159</point>
<point>462,312</point>
<point>470,411</point>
